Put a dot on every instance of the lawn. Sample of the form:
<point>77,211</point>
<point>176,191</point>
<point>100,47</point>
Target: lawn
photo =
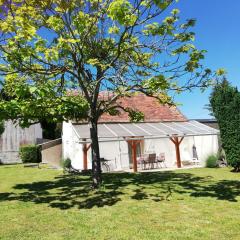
<point>183,204</point>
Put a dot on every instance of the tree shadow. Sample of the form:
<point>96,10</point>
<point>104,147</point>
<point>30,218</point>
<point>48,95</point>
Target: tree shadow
<point>68,191</point>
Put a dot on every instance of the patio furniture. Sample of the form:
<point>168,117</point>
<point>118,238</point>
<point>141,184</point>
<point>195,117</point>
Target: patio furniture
<point>142,160</point>
<point>195,161</point>
<point>191,162</point>
<point>151,160</point>
<point>105,166</point>
<point>161,160</point>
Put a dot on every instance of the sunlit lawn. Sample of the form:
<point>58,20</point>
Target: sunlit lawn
<point>184,204</point>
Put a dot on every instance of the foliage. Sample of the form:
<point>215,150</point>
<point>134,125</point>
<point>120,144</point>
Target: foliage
<point>40,103</point>
<point>225,101</point>
<point>134,115</point>
<point>67,163</point>
<point>1,127</point>
<point>51,130</point>
<point>94,45</point>
<point>211,161</point>
<point>119,46</point>
<point>30,154</point>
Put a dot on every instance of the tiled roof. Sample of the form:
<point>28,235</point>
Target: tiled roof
<point>152,109</point>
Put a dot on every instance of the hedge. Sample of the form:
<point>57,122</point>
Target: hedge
<point>225,102</point>
<point>30,153</point>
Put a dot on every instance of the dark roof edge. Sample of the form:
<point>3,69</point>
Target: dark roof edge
<point>205,120</point>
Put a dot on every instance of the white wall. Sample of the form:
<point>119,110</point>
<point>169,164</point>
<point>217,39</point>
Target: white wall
<point>72,148</point>
<point>67,139</point>
<point>206,145</point>
<point>117,153</point>
<point>163,145</point>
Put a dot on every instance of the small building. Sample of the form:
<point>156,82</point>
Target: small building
<point>165,133</point>
<point>209,122</point>
<point>13,137</point>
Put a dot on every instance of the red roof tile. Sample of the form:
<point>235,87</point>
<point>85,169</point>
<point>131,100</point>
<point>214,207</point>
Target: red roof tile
<point>152,109</point>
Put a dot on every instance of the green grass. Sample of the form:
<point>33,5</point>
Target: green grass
<point>183,204</point>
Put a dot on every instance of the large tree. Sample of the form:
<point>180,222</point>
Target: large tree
<point>119,46</point>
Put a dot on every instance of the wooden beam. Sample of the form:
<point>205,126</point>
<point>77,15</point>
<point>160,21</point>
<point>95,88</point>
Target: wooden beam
<point>172,140</point>
<point>134,156</point>
<point>85,150</point>
<point>181,140</point>
<point>177,143</point>
<point>133,143</point>
<point>178,156</point>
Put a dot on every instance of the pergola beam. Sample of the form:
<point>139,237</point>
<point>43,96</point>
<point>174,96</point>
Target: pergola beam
<point>85,160</point>
<point>177,142</point>
<point>133,144</point>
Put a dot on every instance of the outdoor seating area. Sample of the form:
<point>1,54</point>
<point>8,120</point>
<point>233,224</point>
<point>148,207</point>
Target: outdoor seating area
<point>151,161</point>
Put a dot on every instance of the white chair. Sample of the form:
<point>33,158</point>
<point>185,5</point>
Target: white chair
<point>195,161</point>
<point>161,160</point>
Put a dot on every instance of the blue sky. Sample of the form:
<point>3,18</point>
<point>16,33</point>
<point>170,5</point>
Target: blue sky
<point>218,31</point>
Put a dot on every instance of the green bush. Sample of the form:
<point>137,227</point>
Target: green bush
<point>30,153</point>
<point>67,163</point>
<point>211,161</point>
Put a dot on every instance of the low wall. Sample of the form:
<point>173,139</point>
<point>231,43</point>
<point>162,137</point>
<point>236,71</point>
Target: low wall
<point>9,157</point>
<point>52,152</point>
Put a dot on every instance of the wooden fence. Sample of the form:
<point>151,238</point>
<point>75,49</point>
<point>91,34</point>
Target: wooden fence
<point>13,137</point>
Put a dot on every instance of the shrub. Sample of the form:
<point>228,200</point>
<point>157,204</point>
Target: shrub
<point>67,163</point>
<point>211,161</point>
<point>30,153</point>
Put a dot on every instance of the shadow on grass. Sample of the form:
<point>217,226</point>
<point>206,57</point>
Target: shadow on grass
<point>69,191</point>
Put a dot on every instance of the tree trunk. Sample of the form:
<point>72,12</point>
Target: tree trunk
<point>96,164</point>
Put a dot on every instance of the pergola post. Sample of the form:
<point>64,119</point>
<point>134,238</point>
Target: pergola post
<point>134,155</point>
<point>133,143</point>
<point>177,142</point>
<point>85,150</point>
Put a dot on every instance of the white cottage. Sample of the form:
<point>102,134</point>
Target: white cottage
<point>165,134</point>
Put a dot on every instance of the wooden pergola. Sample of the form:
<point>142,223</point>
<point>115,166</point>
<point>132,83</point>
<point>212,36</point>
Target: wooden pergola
<point>133,144</point>
<point>133,133</point>
<point>175,139</point>
<point>85,148</point>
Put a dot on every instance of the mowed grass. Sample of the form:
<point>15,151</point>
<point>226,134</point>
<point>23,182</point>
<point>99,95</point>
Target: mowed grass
<point>183,204</point>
